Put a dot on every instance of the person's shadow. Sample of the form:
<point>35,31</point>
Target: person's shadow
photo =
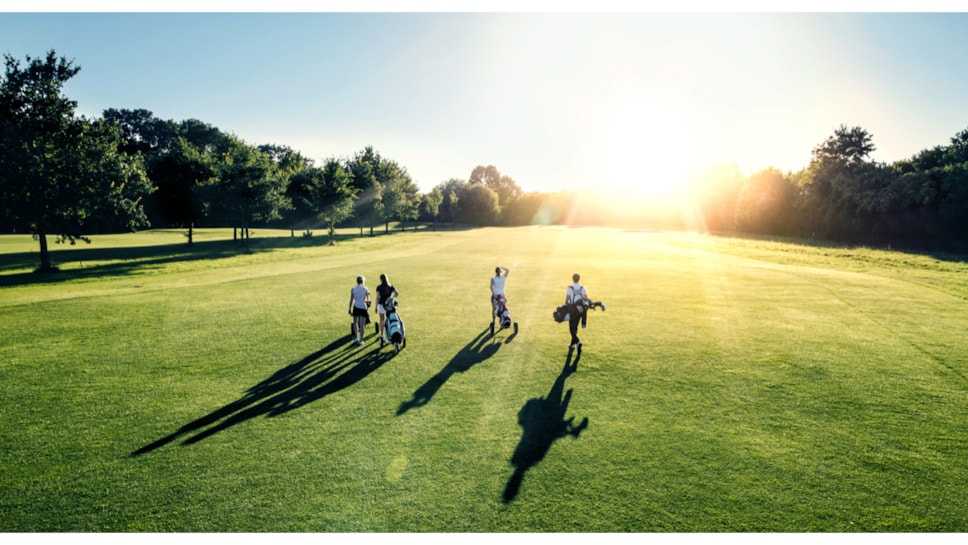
<point>543,421</point>
<point>326,371</point>
<point>475,352</point>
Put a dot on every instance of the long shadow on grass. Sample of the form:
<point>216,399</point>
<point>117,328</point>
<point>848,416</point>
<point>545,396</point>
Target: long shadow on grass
<point>324,372</point>
<point>543,420</point>
<point>133,259</point>
<point>126,260</point>
<point>475,352</point>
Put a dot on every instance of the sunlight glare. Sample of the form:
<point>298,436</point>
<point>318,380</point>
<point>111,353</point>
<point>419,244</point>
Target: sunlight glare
<point>645,150</point>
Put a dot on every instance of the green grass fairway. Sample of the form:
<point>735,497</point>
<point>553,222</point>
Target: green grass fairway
<point>731,386</point>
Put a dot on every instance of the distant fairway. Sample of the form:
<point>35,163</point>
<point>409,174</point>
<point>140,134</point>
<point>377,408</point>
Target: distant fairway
<point>732,385</point>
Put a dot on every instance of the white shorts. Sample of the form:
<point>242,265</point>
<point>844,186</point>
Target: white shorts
<point>381,310</point>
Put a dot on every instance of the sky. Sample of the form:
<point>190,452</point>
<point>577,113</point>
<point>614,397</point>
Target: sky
<point>557,100</point>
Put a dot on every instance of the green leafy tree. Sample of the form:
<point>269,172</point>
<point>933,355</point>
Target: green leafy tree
<point>849,146</point>
<point>765,203</point>
<point>531,208</point>
<point>430,205</point>
<point>400,194</point>
<point>295,170</point>
<point>840,183</point>
<point>452,205</point>
<point>450,192</point>
<point>332,195</point>
<point>369,208</point>
<point>489,176</point>
<point>61,174</point>
<point>248,187</point>
<point>179,175</point>
<point>479,205</point>
<point>143,132</point>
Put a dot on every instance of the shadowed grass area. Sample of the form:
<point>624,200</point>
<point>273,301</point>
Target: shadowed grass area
<point>732,385</point>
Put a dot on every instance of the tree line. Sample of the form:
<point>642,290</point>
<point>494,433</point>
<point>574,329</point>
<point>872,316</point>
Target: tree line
<point>69,176</point>
<point>844,196</point>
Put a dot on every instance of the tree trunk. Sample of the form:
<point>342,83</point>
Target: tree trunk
<point>191,227</point>
<point>44,252</point>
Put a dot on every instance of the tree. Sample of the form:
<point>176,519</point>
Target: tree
<point>848,146</point>
<point>332,195</point>
<point>178,175</point>
<point>295,169</point>
<point>248,187</point>
<point>489,176</point>
<point>450,191</point>
<point>400,193</point>
<point>61,174</point>
<point>369,203</point>
<point>841,183</point>
<point>431,204</point>
<point>765,203</point>
<point>479,205</point>
<point>532,208</point>
<point>142,131</point>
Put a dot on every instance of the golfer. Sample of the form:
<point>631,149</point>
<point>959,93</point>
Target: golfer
<point>576,295</point>
<point>497,288</point>
<point>359,301</point>
<point>383,292</point>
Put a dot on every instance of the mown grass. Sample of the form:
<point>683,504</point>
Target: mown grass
<point>731,386</point>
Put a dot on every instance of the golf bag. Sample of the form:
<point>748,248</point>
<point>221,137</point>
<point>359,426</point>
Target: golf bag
<point>578,308</point>
<point>502,312</point>
<point>395,332</point>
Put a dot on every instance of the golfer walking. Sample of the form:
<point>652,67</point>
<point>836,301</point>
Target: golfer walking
<point>577,296</point>
<point>497,288</point>
<point>359,301</point>
<point>384,291</point>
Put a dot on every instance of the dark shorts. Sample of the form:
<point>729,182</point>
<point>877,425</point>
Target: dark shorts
<point>361,312</point>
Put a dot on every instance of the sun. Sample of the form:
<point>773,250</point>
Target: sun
<point>645,150</point>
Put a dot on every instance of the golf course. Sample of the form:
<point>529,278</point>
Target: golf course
<point>732,385</point>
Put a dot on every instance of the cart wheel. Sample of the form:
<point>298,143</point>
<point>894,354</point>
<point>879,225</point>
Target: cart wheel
<point>492,328</point>
<point>381,341</point>
<point>515,328</point>
<point>404,343</point>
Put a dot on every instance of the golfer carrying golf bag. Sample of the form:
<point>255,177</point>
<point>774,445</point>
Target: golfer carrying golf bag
<point>576,305</point>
